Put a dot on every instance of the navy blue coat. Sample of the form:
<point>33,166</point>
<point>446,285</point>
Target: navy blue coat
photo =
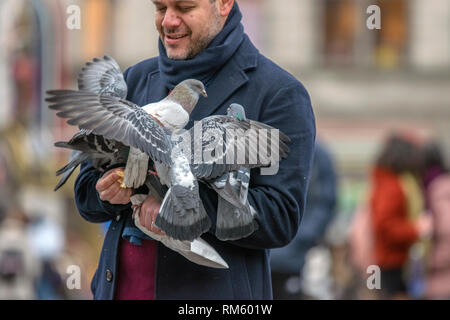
<point>270,95</point>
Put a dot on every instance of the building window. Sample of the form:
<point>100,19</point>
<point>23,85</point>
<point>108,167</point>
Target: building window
<point>392,38</point>
<point>340,32</point>
<point>348,42</point>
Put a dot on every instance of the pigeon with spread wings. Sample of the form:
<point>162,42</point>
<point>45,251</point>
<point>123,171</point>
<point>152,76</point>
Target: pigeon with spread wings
<point>117,119</point>
<point>104,77</point>
<point>182,215</point>
<point>236,218</point>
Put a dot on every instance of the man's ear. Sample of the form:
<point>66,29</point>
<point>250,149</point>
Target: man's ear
<point>224,7</point>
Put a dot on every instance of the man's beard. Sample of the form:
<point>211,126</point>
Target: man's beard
<point>196,46</point>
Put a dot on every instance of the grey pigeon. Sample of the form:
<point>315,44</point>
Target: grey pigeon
<point>214,141</point>
<point>236,218</point>
<point>182,215</point>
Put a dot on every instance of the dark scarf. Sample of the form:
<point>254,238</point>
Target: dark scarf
<point>203,66</point>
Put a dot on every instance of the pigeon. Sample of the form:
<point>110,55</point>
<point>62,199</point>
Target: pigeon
<point>145,130</point>
<point>215,141</point>
<point>174,152</point>
<point>235,216</point>
<point>104,77</point>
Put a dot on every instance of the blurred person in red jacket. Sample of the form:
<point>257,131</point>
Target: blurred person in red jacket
<point>396,204</point>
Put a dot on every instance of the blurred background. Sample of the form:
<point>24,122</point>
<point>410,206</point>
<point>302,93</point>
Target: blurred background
<point>364,85</point>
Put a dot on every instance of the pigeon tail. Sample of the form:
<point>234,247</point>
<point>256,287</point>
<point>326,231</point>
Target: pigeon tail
<point>234,223</point>
<point>182,215</point>
<point>75,160</point>
<point>136,169</point>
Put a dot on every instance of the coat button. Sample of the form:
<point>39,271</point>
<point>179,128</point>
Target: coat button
<point>109,275</point>
<point>118,217</point>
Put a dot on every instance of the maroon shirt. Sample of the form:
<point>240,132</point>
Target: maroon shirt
<point>136,271</point>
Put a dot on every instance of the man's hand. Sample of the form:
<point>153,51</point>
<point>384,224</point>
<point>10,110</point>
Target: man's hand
<point>147,215</point>
<point>108,187</point>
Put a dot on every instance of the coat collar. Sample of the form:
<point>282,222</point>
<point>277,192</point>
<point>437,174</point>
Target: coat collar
<point>229,78</point>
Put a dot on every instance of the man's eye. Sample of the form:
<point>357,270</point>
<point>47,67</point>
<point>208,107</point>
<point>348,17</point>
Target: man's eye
<point>186,9</point>
<point>160,9</point>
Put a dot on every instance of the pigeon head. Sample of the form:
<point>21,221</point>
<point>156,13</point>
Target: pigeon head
<point>237,111</point>
<point>187,93</point>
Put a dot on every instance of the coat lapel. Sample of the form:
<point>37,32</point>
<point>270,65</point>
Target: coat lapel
<point>229,79</point>
<point>156,90</point>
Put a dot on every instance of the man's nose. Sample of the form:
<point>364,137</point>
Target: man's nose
<point>171,19</point>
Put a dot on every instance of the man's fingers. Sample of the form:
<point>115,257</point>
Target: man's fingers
<point>143,217</point>
<point>110,193</point>
<point>155,211</point>
<point>107,180</point>
<point>122,197</point>
<point>157,230</point>
<point>147,216</point>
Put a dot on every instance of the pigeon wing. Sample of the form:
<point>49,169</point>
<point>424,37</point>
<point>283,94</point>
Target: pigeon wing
<point>283,139</point>
<point>103,76</point>
<point>227,144</point>
<point>209,156</point>
<point>84,140</point>
<point>115,119</point>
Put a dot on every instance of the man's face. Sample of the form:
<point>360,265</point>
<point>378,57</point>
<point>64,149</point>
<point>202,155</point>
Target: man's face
<point>186,27</point>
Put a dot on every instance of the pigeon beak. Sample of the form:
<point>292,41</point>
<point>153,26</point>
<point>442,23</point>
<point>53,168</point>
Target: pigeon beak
<point>204,93</point>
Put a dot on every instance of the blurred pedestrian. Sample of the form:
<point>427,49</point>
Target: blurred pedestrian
<point>433,165</point>
<point>19,267</point>
<point>436,179</point>
<point>395,206</point>
<point>438,275</point>
<point>287,263</point>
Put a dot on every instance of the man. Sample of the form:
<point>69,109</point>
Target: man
<point>204,40</point>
